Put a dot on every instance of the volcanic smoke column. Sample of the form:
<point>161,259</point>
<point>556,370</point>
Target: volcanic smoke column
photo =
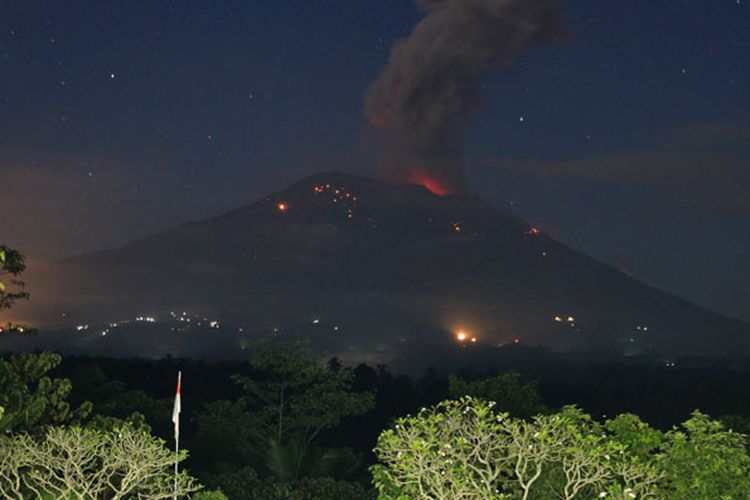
<point>429,87</point>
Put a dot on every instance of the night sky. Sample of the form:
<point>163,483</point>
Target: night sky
<point>630,141</point>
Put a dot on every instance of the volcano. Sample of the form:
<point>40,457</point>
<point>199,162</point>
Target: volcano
<point>376,268</point>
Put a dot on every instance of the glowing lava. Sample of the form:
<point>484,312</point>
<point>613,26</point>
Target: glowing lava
<point>424,179</point>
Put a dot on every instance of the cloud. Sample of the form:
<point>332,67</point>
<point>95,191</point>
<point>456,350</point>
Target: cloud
<point>51,207</point>
<point>704,135</point>
<point>704,165</point>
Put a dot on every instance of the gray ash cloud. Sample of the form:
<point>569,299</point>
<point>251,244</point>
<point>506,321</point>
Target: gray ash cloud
<point>429,87</point>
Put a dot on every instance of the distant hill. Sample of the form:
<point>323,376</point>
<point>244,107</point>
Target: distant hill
<point>380,270</point>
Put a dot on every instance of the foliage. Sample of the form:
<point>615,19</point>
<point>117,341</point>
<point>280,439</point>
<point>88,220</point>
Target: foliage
<point>464,449</point>
<point>106,423</point>
<point>244,484</point>
<point>284,408</point>
<point>594,461</point>
<point>227,436</point>
<point>702,460</point>
<point>112,401</point>
<point>295,395</point>
<point>297,458</point>
<point>210,495</point>
<point>639,438</point>
<point>738,423</point>
<point>12,264</point>
<point>457,449</point>
<point>75,462</point>
<point>31,398</point>
<point>454,450</point>
<point>509,393</point>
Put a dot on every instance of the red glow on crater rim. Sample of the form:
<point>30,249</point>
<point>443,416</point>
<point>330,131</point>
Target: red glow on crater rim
<point>422,178</point>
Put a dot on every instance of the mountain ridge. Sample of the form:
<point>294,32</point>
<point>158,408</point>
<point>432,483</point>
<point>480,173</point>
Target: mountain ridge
<point>398,265</point>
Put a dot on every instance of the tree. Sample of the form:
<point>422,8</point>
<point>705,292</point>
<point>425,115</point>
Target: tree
<point>210,495</point>
<point>284,407</point>
<point>31,398</point>
<point>594,462</point>
<point>456,449</point>
<point>294,395</point>
<point>111,398</point>
<point>639,438</point>
<point>703,460</point>
<point>244,484</point>
<point>12,264</point>
<point>510,394</point>
<point>297,458</point>
<point>464,449</point>
<point>74,462</point>
<point>533,447</point>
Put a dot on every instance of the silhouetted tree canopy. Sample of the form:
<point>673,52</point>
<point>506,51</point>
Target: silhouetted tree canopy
<point>12,264</point>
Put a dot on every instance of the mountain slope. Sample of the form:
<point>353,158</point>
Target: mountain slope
<point>392,267</point>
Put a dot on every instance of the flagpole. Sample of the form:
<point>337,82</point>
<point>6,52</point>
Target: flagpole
<point>176,420</point>
<point>176,460</point>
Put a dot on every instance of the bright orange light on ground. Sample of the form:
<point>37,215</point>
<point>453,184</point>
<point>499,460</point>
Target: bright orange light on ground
<point>283,207</point>
<point>461,336</point>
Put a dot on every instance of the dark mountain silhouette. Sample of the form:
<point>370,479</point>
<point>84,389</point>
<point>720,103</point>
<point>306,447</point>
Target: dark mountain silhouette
<point>376,268</point>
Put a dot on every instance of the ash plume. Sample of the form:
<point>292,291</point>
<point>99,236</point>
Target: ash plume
<point>429,87</point>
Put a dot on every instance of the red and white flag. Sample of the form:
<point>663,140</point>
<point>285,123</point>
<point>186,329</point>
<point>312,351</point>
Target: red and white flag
<point>177,408</point>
